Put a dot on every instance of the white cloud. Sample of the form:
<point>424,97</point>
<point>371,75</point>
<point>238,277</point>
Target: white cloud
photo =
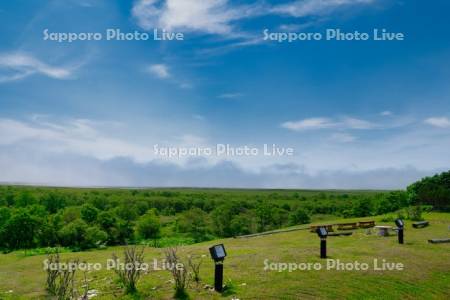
<point>163,71</point>
<point>101,140</point>
<point>302,8</point>
<point>307,124</point>
<point>146,13</point>
<point>16,66</point>
<point>290,27</point>
<point>327,123</point>
<point>74,136</point>
<point>441,122</point>
<point>86,152</point>
<point>219,16</point>
<point>211,16</point>
<point>73,170</point>
<point>386,113</point>
<point>13,131</point>
<point>353,123</point>
<point>159,70</point>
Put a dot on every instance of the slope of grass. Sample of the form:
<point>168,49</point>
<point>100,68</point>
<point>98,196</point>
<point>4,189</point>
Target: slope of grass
<point>426,273</point>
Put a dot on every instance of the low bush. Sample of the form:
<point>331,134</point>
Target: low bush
<point>130,275</point>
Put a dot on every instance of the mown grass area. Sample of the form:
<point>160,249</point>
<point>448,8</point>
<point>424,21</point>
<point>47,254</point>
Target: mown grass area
<point>426,273</point>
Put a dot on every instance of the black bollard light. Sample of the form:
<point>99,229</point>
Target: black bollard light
<point>218,254</point>
<point>322,233</point>
<point>400,226</point>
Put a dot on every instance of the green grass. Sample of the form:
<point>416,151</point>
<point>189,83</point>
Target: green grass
<point>169,242</point>
<point>42,251</point>
<point>426,274</point>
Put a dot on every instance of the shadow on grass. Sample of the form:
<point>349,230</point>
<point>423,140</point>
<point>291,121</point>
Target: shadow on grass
<point>133,296</point>
<point>181,295</point>
<point>229,289</point>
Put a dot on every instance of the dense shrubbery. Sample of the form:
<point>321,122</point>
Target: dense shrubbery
<point>434,191</point>
<point>86,218</point>
<point>148,226</point>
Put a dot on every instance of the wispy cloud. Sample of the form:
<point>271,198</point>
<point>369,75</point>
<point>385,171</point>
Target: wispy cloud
<point>146,13</point>
<point>386,113</point>
<point>307,124</point>
<point>302,8</point>
<point>164,72</point>
<point>230,95</point>
<point>220,16</point>
<point>297,26</point>
<point>210,16</point>
<point>441,122</point>
<point>78,136</point>
<point>159,70</point>
<point>354,123</point>
<point>327,123</point>
<point>87,152</point>
<point>16,66</point>
<point>83,171</point>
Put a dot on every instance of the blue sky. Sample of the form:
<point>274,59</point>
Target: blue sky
<point>358,114</point>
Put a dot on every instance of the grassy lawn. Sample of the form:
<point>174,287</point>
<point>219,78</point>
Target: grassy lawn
<point>426,273</point>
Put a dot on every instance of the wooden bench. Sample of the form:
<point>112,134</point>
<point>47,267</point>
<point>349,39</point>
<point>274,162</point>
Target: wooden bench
<point>347,233</point>
<point>347,226</point>
<point>420,224</point>
<point>328,227</point>
<point>366,224</point>
<point>439,241</point>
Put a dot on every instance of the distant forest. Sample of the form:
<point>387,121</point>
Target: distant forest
<point>83,218</point>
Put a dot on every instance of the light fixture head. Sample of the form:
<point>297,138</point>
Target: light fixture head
<point>218,252</point>
<point>399,223</point>
<point>322,232</point>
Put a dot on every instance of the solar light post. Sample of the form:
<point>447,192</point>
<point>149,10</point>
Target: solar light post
<point>400,226</point>
<point>322,233</point>
<point>218,254</point>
